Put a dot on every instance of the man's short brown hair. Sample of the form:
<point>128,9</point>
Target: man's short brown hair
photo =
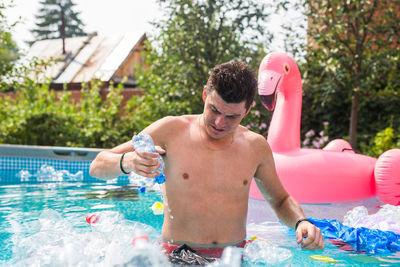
<point>234,82</point>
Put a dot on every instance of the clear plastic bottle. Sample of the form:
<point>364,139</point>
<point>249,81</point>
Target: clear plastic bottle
<point>145,254</point>
<point>231,257</point>
<point>262,252</point>
<point>144,143</point>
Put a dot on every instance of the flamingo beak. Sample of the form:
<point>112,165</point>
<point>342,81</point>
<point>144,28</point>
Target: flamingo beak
<point>268,101</point>
<point>268,83</point>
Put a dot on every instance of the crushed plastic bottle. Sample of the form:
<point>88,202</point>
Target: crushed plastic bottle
<point>386,219</point>
<point>50,174</point>
<point>231,257</point>
<point>143,253</point>
<point>105,221</point>
<point>353,216</point>
<point>261,252</point>
<point>143,142</point>
<point>25,176</point>
<point>52,240</point>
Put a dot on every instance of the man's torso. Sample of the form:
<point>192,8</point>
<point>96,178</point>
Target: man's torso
<point>207,187</point>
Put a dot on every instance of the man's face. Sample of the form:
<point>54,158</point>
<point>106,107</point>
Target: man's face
<point>221,118</point>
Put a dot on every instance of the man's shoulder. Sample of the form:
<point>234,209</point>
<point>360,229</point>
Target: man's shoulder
<point>256,141</point>
<point>167,128</point>
<point>178,121</point>
<point>252,136</point>
<point>172,124</point>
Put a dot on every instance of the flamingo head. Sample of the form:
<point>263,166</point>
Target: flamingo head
<point>275,70</point>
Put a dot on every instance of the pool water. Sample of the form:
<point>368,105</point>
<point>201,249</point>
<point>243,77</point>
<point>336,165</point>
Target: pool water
<point>24,208</point>
<point>39,222</point>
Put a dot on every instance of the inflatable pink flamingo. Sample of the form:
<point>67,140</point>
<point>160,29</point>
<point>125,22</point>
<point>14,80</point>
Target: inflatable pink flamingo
<point>332,174</point>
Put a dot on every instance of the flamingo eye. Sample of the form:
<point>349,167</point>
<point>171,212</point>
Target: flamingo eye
<point>286,67</point>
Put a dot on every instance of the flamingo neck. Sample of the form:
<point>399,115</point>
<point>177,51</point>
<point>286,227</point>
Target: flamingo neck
<point>284,130</point>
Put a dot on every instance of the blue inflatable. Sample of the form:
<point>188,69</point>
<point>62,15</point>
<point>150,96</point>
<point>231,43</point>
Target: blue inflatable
<point>372,241</point>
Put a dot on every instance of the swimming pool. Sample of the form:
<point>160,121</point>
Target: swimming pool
<point>44,220</point>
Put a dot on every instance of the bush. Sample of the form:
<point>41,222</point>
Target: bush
<point>383,141</point>
<point>37,115</point>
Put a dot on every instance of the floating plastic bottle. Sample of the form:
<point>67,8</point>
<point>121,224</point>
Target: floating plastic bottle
<point>261,252</point>
<point>231,257</point>
<point>144,253</point>
<point>50,174</point>
<point>144,143</point>
<point>53,240</point>
<point>386,219</point>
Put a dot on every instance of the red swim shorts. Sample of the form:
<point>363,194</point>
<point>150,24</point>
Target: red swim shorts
<point>213,252</point>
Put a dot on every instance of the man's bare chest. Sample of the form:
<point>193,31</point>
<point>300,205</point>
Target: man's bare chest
<point>192,163</point>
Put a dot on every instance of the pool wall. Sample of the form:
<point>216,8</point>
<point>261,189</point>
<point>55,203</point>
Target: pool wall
<point>14,158</point>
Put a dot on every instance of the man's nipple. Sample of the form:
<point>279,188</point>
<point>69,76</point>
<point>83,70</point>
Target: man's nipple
<point>185,176</point>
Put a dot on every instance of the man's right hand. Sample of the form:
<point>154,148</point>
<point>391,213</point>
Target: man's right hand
<point>143,163</point>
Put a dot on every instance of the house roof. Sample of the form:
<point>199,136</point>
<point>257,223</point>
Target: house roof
<point>86,57</point>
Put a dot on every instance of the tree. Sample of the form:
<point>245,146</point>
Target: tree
<point>354,48</point>
<point>194,37</point>
<point>8,49</point>
<point>57,19</point>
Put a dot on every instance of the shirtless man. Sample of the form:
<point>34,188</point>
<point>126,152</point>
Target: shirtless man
<point>210,160</point>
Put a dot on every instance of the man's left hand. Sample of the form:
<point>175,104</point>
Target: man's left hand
<point>309,236</point>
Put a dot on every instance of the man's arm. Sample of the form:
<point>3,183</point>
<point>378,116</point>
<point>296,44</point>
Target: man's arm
<point>107,164</point>
<point>286,207</point>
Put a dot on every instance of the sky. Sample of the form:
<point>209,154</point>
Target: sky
<point>108,17</point>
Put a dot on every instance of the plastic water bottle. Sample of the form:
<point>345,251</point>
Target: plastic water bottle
<point>145,254</point>
<point>231,257</point>
<point>104,222</point>
<point>261,252</point>
<point>355,215</point>
<point>144,143</point>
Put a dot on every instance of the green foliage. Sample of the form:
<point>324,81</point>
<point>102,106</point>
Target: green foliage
<point>211,33</point>
<point>101,121</point>
<point>196,36</point>
<point>350,69</point>
<point>8,49</point>
<point>32,113</point>
<point>50,19</point>
<point>383,141</point>
<point>354,50</point>
<point>36,115</point>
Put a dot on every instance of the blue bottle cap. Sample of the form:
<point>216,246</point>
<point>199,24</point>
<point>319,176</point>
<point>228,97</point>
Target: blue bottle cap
<point>160,179</point>
<point>141,189</point>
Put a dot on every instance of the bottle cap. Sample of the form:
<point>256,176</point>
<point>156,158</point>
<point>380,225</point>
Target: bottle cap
<point>91,218</point>
<point>140,237</point>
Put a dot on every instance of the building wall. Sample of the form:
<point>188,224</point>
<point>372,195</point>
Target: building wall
<point>128,68</point>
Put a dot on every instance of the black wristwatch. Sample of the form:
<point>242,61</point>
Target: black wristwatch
<point>299,221</point>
